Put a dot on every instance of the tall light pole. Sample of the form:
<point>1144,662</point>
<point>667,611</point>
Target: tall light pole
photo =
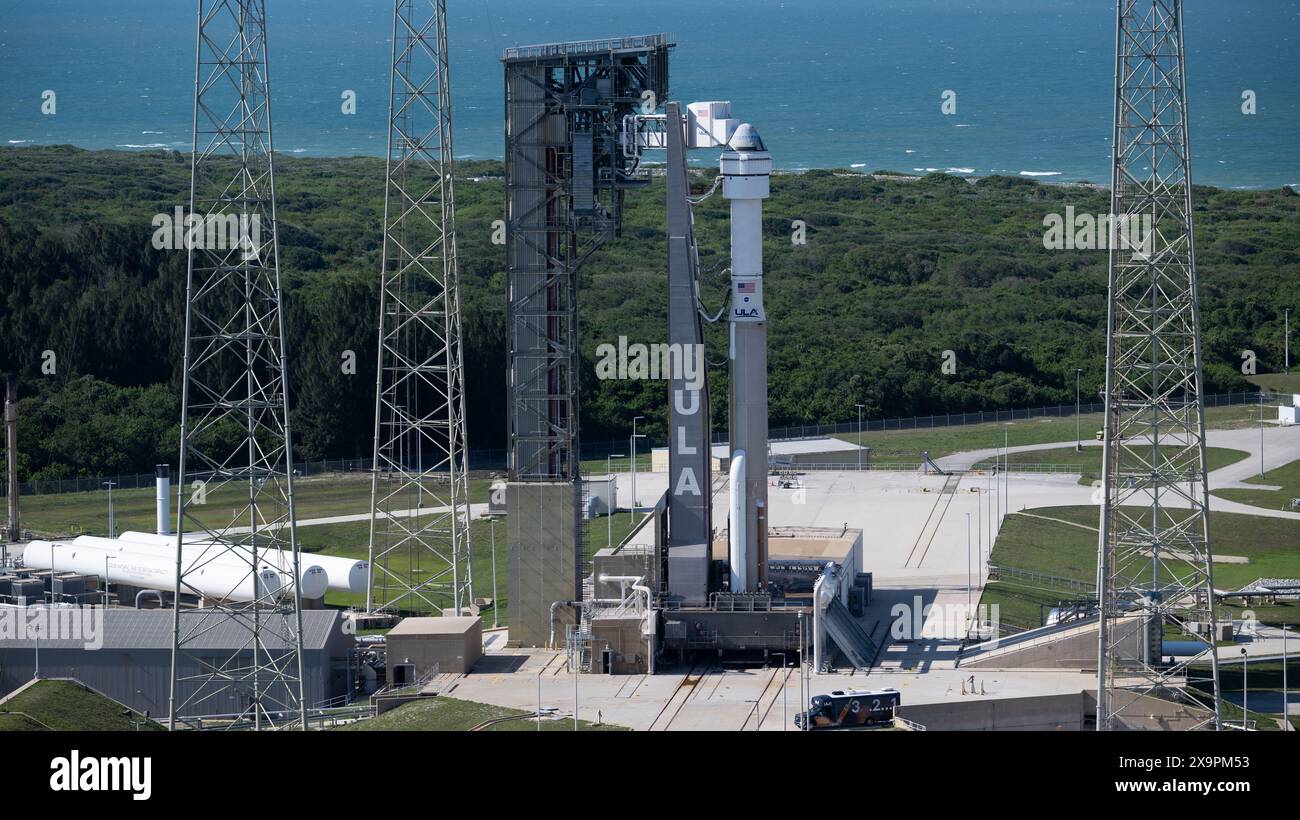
<point>1286,708</point>
<point>496,602</point>
<point>609,539</point>
<point>1006,468</point>
<point>785,710</point>
<point>1078,434</point>
<point>1286,341</point>
<point>1245,689</point>
<point>632,447</point>
<point>1261,433</point>
<point>112,524</point>
<point>968,578</point>
<point>859,406</point>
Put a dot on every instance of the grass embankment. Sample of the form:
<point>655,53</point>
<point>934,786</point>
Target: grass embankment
<point>1067,548</point>
<point>905,446</point>
<point>67,706</point>
<point>443,714</point>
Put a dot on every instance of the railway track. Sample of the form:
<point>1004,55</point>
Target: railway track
<point>932,521</point>
<point>683,692</point>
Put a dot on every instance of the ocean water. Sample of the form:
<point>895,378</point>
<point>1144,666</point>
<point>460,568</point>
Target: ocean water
<point>829,83</point>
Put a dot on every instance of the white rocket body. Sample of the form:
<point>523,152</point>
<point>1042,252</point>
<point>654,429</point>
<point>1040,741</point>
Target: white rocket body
<point>746,169</point>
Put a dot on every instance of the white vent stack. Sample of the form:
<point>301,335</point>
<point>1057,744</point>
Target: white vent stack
<point>746,169</point>
<point>162,479</point>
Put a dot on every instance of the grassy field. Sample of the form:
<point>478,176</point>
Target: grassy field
<point>1069,551</point>
<point>350,540</point>
<point>1089,461</point>
<point>1287,477</point>
<point>65,514</point>
<point>444,714</point>
<point>905,446</point>
<point>67,706</point>
<point>86,513</point>
<point>1277,382</point>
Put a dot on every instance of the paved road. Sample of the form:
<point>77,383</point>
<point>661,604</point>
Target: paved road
<point>475,511</point>
<point>1281,446</point>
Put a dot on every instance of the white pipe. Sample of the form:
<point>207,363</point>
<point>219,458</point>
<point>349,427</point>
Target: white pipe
<point>314,578</point>
<point>736,556</point>
<point>637,582</point>
<point>220,581</point>
<point>344,574</point>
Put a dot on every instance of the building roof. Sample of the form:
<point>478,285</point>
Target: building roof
<point>643,42</point>
<point>152,628</point>
<point>447,625</point>
<point>801,544</point>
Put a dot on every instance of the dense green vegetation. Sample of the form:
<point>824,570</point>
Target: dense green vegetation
<point>67,706</point>
<point>893,274</point>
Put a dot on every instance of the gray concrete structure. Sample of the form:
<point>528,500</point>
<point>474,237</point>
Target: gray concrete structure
<point>427,646</point>
<point>541,529</point>
<point>133,664</point>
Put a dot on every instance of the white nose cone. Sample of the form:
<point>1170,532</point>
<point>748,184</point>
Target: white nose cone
<point>746,138</point>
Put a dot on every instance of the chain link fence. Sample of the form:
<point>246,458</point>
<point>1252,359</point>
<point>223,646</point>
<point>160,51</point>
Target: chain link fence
<point>495,460</point>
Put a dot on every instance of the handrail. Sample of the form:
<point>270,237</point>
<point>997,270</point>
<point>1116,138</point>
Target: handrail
<point>589,46</point>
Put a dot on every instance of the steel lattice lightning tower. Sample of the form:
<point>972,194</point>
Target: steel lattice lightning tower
<point>420,515</point>
<point>236,462</point>
<point>1154,564</point>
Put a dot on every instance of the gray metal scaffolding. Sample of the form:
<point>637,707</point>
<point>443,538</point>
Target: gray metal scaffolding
<point>1154,553</point>
<point>420,515</point>
<point>236,459</point>
<point>566,174</point>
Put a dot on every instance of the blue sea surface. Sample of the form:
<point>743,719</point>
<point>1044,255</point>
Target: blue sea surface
<point>829,83</point>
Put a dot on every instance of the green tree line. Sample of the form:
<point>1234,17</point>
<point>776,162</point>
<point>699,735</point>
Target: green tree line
<point>893,273</point>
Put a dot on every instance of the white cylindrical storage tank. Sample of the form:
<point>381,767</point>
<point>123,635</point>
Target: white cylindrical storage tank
<point>313,576</point>
<point>345,574</point>
<point>225,581</point>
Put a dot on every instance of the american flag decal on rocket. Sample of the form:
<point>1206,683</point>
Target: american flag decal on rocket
<point>745,287</point>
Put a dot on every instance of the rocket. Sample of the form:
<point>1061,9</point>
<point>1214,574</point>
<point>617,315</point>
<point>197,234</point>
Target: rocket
<point>746,169</point>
